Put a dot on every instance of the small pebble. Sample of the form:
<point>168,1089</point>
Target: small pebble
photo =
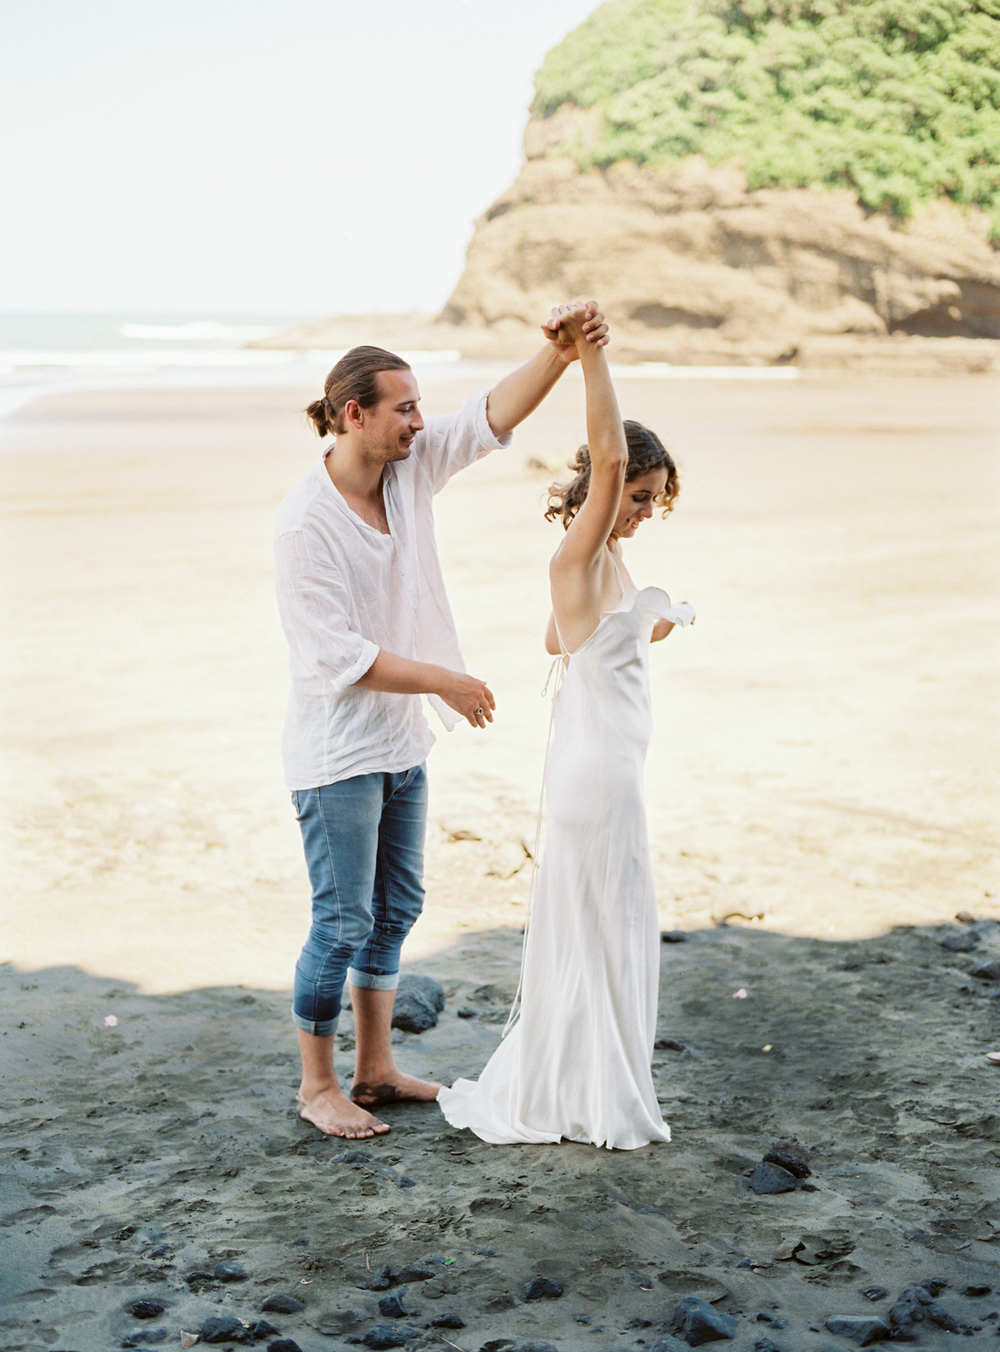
<point>542,1288</point>
<point>262,1329</point>
<point>284,1345</point>
<point>771,1178</point>
<point>790,1157</point>
<point>391,1307</point>
<point>697,1322</point>
<point>381,1281</point>
<point>861,1329</point>
<point>987,970</point>
<point>670,1044</point>
<point>963,941</point>
<point>466,1013</point>
<point>447,1321</point>
<point>405,1183</point>
<point>977,1289</point>
<point>282,1304</point>
<point>231,1272</point>
<point>302,1241</point>
<point>222,1328</point>
<point>874,1293</point>
<point>144,1308</point>
<point>673,937</point>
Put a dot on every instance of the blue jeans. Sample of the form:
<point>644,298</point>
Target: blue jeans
<point>364,844</point>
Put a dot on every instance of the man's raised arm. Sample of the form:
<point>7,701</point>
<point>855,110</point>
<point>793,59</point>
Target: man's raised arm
<point>513,398</point>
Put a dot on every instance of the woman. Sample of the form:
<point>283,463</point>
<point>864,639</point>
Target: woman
<point>576,1063</point>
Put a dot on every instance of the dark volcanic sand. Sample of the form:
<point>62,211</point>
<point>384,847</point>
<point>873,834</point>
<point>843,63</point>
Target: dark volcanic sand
<point>139,1154</point>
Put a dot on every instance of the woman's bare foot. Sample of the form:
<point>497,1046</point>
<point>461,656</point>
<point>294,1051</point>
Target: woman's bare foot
<point>393,1087</point>
<point>335,1115</point>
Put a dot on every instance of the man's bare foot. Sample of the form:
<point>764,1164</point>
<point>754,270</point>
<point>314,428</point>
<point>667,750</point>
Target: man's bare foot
<point>395,1087</point>
<point>335,1115</point>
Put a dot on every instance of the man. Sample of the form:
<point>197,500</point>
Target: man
<point>369,628</point>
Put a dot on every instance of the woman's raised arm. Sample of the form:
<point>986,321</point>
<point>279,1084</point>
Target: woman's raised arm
<point>589,530</point>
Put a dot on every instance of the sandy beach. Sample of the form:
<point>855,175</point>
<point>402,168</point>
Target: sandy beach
<point>822,794</point>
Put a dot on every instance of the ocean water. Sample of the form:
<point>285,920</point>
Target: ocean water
<point>60,353</point>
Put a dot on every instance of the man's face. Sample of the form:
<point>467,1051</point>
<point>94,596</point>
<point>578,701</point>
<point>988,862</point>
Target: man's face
<point>395,420</point>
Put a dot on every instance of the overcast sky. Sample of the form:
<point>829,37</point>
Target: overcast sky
<point>302,156</point>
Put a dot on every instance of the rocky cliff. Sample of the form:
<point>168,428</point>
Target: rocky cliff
<point>691,266</point>
<point>733,178</point>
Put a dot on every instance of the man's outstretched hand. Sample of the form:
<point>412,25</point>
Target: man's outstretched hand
<point>594,327</point>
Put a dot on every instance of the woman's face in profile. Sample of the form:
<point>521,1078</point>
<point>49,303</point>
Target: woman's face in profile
<point>636,506</point>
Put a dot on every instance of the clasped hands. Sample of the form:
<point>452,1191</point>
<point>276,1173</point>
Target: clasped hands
<point>570,324</point>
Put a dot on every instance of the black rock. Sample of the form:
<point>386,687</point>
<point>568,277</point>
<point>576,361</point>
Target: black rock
<point>673,937</point>
<point>283,1305</point>
<point>874,1293</point>
<point>776,1322</point>
<point>390,1335</point>
<point>144,1308</point>
<point>670,1044</point>
<point>935,1285</point>
<point>861,1329</point>
<point>977,1289</point>
<point>431,990</point>
<point>916,1305</point>
<point>963,941</point>
<point>466,1013</point>
<point>542,1288</point>
<point>351,1157</point>
<point>808,1187</point>
<point>765,1345</point>
<point>986,970</point>
<point>697,1322</point>
<point>231,1272</point>
<point>447,1321</point>
<point>768,1178</point>
<point>262,1329</point>
<point>419,1000</point>
<point>420,1272</point>
<point>405,1183</point>
<point>789,1156</point>
<point>284,1345</point>
<point>391,1307</point>
<point>198,1280</point>
<point>301,1242</point>
<point>495,1344</point>
<point>535,1346</point>
<point>380,1282</point>
<point>223,1328</point>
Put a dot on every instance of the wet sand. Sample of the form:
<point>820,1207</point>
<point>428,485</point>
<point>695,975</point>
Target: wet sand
<point>822,778</point>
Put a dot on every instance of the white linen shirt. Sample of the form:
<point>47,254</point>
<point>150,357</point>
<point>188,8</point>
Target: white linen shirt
<point>345,591</point>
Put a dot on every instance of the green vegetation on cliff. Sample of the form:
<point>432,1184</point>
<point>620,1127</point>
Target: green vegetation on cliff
<point>897,99</point>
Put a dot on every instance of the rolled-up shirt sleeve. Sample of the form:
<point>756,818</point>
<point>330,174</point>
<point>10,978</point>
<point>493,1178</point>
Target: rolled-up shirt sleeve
<point>314,605</point>
<point>449,444</point>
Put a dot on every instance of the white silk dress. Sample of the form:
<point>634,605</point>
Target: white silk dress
<point>576,1063</point>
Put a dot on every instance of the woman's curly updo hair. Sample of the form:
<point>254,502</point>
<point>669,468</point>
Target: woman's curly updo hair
<point>354,377</point>
<point>645,452</point>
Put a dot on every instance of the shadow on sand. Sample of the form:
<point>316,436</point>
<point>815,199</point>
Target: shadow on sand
<point>141,1153</point>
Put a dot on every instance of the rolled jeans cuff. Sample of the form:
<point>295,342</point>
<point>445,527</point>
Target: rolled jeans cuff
<point>366,981</point>
<point>322,1028</point>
